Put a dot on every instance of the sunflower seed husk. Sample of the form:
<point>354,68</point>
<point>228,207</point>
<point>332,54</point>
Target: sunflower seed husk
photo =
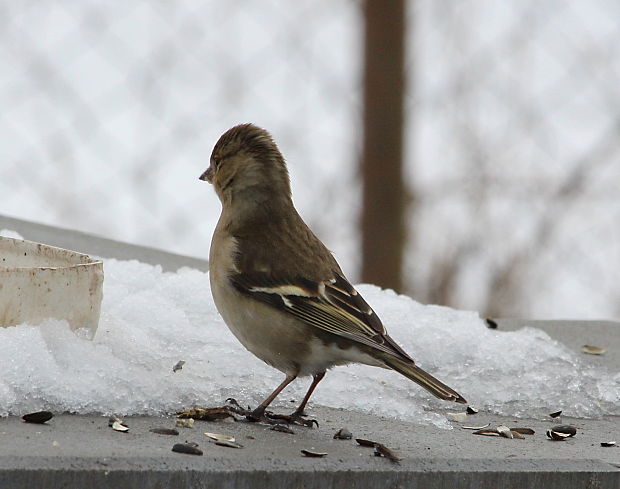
<point>178,366</point>
<point>517,435</point>
<point>523,431</point>
<point>164,431</point>
<point>188,448</point>
<point>476,427</point>
<point>554,435</point>
<point>504,431</point>
<point>39,417</point>
<point>593,350</point>
<point>487,432</point>
<point>565,429</point>
<point>471,410</point>
<point>220,437</point>
<point>343,434</point>
<point>608,443</point>
<point>228,443</point>
<point>556,414</point>
<point>383,451</point>
<point>310,453</point>
<point>114,419</point>
<point>458,417</point>
<point>185,422</point>
<point>282,428</point>
<point>365,443</point>
<point>116,426</point>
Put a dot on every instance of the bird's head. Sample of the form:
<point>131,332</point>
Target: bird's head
<point>246,161</point>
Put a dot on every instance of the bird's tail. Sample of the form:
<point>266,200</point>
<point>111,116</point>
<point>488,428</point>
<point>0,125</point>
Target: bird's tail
<point>426,380</point>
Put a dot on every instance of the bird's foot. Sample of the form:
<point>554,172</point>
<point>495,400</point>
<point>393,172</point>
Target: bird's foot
<point>295,419</point>
<point>261,416</point>
<point>258,415</point>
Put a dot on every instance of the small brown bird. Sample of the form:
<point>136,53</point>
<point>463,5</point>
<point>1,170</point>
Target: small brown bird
<point>277,286</point>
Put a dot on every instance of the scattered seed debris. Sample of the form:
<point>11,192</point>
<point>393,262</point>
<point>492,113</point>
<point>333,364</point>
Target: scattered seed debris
<point>593,350</point>
<point>476,427</point>
<point>365,443</point>
<point>380,449</point>
<point>491,324</point>
<point>561,432</point>
<point>565,428</point>
<point>343,434</point>
<point>228,443</point>
<point>458,417</point>
<point>115,419</point>
<point>185,422</point>
<point>554,435</point>
<point>608,443</point>
<point>188,448</point>
<point>39,417</point>
<point>310,453</point>
<point>118,426</point>
<point>504,431</point>
<point>164,431</point>
<point>220,437</point>
<point>557,414</point>
<point>207,414</point>
<point>383,451</point>
<point>471,410</point>
<point>178,366</point>
<point>282,428</point>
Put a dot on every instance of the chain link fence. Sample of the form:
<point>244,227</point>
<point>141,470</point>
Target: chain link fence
<point>513,136</point>
<point>517,157</point>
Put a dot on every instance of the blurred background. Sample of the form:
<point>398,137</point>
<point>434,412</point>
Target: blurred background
<point>465,153</point>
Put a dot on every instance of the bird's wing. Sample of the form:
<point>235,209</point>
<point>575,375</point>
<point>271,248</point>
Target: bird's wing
<point>331,305</point>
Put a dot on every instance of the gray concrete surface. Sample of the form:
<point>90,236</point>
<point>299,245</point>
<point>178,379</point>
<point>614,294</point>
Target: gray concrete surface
<point>98,246</point>
<point>72,451</point>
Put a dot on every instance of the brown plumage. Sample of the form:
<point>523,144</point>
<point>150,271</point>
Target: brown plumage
<point>277,286</point>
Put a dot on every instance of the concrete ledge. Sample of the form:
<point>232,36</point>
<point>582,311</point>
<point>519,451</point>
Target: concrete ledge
<point>428,475</point>
<point>83,452</point>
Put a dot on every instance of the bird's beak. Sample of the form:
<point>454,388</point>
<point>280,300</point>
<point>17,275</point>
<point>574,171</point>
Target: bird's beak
<point>207,176</point>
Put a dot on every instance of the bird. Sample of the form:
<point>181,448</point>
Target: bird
<point>278,288</point>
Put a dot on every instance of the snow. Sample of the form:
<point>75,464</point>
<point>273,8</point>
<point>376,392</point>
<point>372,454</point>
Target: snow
<point>152,319</point>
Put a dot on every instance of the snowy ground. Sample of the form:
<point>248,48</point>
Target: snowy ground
<point>150,320</point>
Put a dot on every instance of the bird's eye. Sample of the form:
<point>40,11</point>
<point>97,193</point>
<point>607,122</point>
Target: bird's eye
<point>217,162</point>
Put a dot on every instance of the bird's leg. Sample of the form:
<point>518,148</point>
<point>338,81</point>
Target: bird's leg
<point>259,413</point>
<point>233,407</point>
<point>298,415</point>
<point>316,378</point>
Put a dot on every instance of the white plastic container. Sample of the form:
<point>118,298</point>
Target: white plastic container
<point>39,282</point>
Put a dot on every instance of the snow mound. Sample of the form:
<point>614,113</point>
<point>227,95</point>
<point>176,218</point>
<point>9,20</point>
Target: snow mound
<point>150,320</point>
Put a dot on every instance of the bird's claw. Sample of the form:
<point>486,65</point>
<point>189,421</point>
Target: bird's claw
<point>294,419</point>
<point>234,408</point>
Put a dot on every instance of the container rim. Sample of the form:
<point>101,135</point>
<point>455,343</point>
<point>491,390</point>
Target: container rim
<point>82,259</point>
